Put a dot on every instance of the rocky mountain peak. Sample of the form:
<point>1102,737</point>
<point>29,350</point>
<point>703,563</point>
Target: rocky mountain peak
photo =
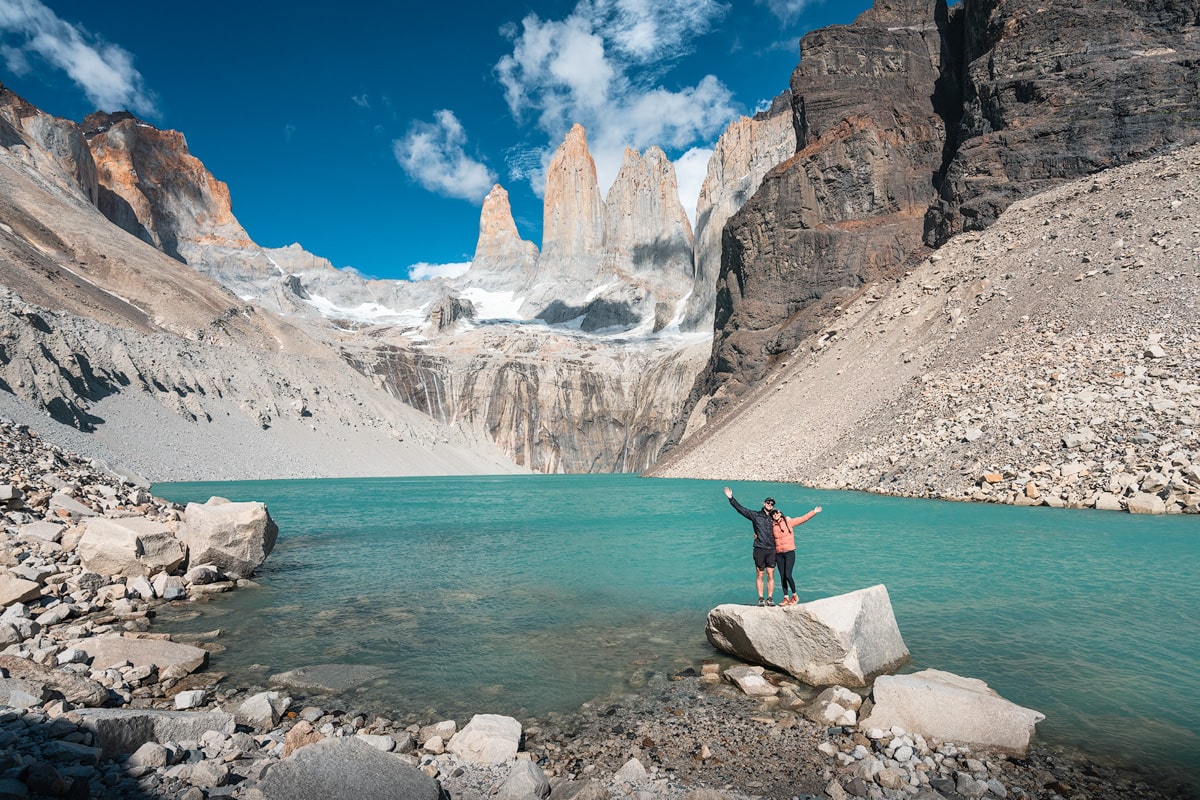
<point>644,222</point>
<point>573,216</point>
<point>500,252</point>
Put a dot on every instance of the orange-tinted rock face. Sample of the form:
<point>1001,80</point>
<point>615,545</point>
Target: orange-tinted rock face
<point>500,252</point>
<point>154,188</point>
<point>573,218</point>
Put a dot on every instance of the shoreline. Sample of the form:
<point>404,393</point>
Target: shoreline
<point>689,731</point>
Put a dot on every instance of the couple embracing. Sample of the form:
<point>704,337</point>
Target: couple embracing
<point>774,543</point>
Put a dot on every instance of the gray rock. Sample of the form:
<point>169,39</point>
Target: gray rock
<point>118,731</point>
<point>487,739</point>
<point>151,754</point>
<point>836,640</point>
<point>21,693</point>
<point>235,537</point>
<point>525,780</point>
<point>76,689</point>
<point>581,790</point>
<point>1142,503</point>
<point>43,531</point>
<point>189,699</point>
<point>17,590</point>
<point>631,772</point>
<point>326,677</point>
<point>262,711</point>
<point>129,546</point>
<point>346,767</point>
<point>109,650</point>
<point>951,708</point>
<point>751,681</point>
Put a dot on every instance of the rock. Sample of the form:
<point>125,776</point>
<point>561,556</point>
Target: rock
<point>1106,501</point>
<point>1143,503</point>
<point>487,739</point>
<point>951,708</point>
<point>836,640</point>
<point>168,587</point>
<point>123,730</point>
<point>326,677</point>
<point>384,744</point>
<point>129,546</point>
<point>502,258</point>
<point>751,681</point>
<point>73,508</point>
<point>302,734</point>
<point>76,689</point>
<point>581,790</point>
<point>631,772</point>
<point>152,755</point>
<point>345,767</point>
<point>42,531</point>
<point>189,699</point>
<point>834,706</point>
<point>17,590</point>
<point>20,693</point>
<point>525,780</point>
<point>108,650</point>
<point>262,711</point>
<point>444,730</point>
<point>235,537</point>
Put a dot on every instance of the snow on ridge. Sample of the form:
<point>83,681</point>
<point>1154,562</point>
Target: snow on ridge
<point>371,313</point>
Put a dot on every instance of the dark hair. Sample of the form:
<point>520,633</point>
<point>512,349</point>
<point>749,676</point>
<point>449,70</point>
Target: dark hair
<point>770,500</point>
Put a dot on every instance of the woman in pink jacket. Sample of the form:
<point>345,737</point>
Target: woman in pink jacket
<point>785,550</point>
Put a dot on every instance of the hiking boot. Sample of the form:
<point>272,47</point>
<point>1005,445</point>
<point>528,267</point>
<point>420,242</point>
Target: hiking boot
<point>771,601</point>
<point>762,602</point>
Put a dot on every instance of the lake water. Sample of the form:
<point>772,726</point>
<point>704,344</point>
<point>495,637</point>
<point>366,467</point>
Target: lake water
<point>524,595</point>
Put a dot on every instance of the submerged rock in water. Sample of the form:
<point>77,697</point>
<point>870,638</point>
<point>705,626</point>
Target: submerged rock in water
<point>326,677</point>
<point>845,639</point>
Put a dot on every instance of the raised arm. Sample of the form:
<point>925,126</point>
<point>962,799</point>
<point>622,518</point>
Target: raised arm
<point>741,509</point>
<point>793,521</point>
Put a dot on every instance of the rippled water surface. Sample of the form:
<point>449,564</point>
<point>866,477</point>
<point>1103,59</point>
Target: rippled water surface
<point>528,594</point>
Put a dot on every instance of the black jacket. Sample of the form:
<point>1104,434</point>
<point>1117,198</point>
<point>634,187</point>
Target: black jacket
<point>764,529</point>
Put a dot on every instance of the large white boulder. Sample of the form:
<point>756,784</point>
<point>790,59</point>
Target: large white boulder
<point>236,537</point>
<point>113,650</point>
<point>487,739</point>
<point>844,640</point>
<point>129,546</point>
<point>952,708</point>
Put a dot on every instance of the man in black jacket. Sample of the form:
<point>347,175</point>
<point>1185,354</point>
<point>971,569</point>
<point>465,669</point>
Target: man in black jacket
<point>764,544</point>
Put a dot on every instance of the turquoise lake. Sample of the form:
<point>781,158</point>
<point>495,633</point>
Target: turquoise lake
<point>525,595</point>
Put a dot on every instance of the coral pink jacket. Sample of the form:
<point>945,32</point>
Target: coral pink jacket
<point>785,539</point>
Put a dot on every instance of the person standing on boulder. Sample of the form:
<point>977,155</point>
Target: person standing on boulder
<point>764,544</point>
<point>785,550</point>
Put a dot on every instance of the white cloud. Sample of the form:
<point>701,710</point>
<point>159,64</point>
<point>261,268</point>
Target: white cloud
<point>424,271</point>
<point>602,66</point>
<point>104,71</point>
<point>787,10</point>
<point>691,169</point>
<point>433,155</point>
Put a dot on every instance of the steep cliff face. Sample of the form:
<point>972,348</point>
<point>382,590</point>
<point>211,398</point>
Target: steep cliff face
<point>916,123</point>
<point>552,402</point>
<point>151,186</point>
<point>847,208</point>
<point>746,151</point>
<point>1056,92</point>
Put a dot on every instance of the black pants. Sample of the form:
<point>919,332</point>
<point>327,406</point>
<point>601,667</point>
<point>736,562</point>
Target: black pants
<point>785,562</point>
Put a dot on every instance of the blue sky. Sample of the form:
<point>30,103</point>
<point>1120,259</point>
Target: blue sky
<point>370,135</point>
